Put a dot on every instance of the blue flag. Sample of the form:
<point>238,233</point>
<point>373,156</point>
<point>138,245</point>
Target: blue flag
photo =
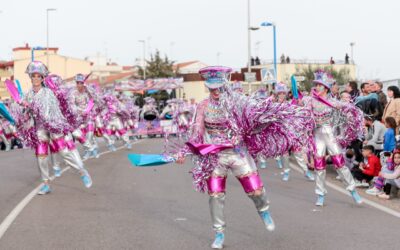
<point>148,160</point>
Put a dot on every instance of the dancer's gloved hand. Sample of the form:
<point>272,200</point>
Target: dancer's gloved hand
<point>180,159</point>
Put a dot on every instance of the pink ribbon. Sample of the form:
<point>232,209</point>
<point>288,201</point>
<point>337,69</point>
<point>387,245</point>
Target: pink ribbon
<point>320,99</point>
<point>12,89</point>
<point>89,106</point>
<point>203,149</point>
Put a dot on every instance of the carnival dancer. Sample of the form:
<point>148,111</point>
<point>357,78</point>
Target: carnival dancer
<point>281,92</point>
<point>237,87</point>
<point>183,117</point>
<point>330,114</point>
<point>41,124</point>
<point>133,111</point>
<point>219,124</point>
<point>83,103</point>
<point>115,113</point>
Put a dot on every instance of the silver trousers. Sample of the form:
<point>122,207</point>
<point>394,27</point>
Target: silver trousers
<point>326,143</point>
<point>240,164</point>
<point>298,157</point>
<point>79,136</point>
<point>345,176</point>
<point>70,157</point>
<point>115,124</point>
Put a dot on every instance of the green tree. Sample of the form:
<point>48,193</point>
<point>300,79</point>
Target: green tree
<point>341,76</point>
<point>158,67</point>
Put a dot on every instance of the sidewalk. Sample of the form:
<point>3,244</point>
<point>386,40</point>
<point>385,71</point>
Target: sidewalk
<point>393,203</point>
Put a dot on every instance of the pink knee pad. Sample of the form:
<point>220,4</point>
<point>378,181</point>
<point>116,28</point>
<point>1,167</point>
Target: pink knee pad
<point>338,161</point>
<point>110,132</point>
<point>122,131</point>
<point>251,182</point>
<point>53,148</point>
<point>42,149</point>
<point>81,139</point>
<point>59,144</point>
<point>216,184</point>
<point>90,127</point>
<point>84,131</point>
<point>320,163</point>
<point>70,145</point>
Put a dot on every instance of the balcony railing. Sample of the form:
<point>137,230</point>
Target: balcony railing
<point>307,61</point>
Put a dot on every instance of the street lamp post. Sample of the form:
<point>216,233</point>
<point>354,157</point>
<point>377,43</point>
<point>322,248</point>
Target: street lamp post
<point>249,29</point>
<point>248,38</point>
<point>47,36</point>
<point>144,58</point>
<point>351,46</point>
<point>266,24</point>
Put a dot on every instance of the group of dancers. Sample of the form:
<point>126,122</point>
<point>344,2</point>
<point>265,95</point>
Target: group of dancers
<point>52,116</point>
<point>243,131</point>
<point>235,132</point>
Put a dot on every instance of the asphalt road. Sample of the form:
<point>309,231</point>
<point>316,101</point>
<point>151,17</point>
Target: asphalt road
<point>157,208</point>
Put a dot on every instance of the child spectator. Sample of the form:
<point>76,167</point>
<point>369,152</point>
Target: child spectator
<point>367,171</point>
<point>389,139</point>
<point>393,178</point>
<point>379,183</point>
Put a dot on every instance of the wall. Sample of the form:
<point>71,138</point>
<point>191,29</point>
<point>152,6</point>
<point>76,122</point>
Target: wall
<point>195,89</point>
<point>285,71</point>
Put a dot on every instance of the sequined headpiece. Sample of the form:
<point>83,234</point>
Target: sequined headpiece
<point>215,76</point>
<point>37,67</point>
<point>281,87</point>
<point>80,78</point>
<point>324,78</point>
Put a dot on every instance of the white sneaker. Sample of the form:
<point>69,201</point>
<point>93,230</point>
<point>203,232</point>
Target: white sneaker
<point>358,183</point>
<point>373,191</point>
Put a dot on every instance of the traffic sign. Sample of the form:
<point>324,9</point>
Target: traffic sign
<point>268,75</point>
<point>250,76</point>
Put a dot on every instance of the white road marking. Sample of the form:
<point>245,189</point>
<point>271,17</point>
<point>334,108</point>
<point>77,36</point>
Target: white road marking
<point>345,192</point>
<point>6,223</point>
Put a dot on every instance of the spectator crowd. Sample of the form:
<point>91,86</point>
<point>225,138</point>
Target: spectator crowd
<point>375,159</point>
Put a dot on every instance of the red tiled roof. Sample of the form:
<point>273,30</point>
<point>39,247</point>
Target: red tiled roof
<point>113,78</point>
<point>5,64</point>
<point>127,67</point>
<point>184,64</point>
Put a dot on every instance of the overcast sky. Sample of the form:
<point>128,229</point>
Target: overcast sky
<point>199,29</point>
